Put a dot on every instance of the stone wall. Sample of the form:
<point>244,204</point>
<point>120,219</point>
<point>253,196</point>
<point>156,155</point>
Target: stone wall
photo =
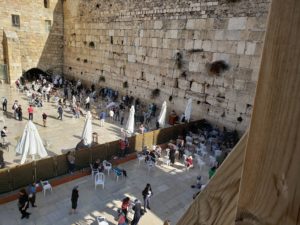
<point>38,46</point>
<point>167,45</point>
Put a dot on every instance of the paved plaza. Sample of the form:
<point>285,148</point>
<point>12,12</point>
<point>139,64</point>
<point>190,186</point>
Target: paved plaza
<point>58,136</point>
<point>170,185</point>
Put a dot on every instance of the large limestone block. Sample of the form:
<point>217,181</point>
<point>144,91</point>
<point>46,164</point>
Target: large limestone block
<point>237,23</point>
<point>158,24</point>
<point>250,48</point>
<point>198,88</point>
<point>183,84</point>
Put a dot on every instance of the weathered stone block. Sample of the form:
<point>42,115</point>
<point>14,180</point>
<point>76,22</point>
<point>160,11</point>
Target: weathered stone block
<point>237,23</point>
<point>250,48</point>
<point>198,88</point>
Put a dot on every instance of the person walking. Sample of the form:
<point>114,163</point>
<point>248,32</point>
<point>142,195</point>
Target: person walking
<point>74,200</point>
<point>138,212</point>
<point>87,103</point>
<point>44,116</point>
<point>102,117</point>
<point>125,206</point>
<point>111,115</point>
<point>23,204</point>
<point>32,194</point>
<point>4,135</point>
<point>4,104</point>
<point>122,219</point>
<point>30,112</point>
<point>14,108</point>
<point>19,113</point>
<point>60,112</point>
<point>147,193</point>
<point>121,116</point>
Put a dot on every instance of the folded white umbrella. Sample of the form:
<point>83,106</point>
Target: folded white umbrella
<point>87,133</point>
<point>162,116</point>
<point>188,110</point>
<point>31,143</point>
<point>130,122</point>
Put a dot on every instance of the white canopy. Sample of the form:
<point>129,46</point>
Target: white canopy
<point>112,104</point>
<point>130,121</point>
<point>31,143</point>
<point>87,133</point>
<point>162,116</point>
<point>188,110</point>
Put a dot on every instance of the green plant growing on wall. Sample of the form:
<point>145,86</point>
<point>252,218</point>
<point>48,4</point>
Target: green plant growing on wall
<point>101,79</point>
<point>155,93</point>
<point>125,84</point>
<point>217,67</point>
<point>179,61</point>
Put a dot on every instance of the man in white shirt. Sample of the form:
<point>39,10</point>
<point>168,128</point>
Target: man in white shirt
<point>4,135</point>
<point>87,103</point>
<point>111,114</point>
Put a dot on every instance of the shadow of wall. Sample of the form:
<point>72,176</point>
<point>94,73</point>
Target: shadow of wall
<point>51,59</point>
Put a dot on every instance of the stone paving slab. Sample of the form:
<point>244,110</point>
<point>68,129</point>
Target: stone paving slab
<point>172,196</point>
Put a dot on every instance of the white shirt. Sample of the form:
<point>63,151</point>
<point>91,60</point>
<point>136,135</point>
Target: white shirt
<point>87,100</point>
<point>111,113</point>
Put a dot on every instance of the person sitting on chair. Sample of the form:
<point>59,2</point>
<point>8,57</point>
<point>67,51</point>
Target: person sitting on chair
<point>98,165</point>
<point>189,162</point>
<point>152,156</point>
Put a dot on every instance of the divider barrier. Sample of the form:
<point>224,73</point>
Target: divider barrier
<point>44,169</point>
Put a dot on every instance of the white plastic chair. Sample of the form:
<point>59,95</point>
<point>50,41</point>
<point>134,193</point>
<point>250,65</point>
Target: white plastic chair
<point>150,165</point>
<point>118,173</point>
<point>140,158</point>
<point>167,152</point>
<point>166,160</point>
<point>212,161</point>
<point>46,186</point>
<point>93,171</point>
<point>99,180</point>
<point>218,153</point>
<point>101,220</point>
<point>200,162</point>
<point>107,166</point>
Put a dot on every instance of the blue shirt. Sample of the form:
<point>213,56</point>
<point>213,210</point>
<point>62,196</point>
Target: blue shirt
<point>102,115</point>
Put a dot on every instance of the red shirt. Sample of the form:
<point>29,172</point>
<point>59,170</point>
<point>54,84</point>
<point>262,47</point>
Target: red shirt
<point>30,109</point>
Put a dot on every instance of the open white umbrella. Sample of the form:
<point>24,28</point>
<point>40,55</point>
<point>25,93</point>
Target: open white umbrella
<point>87,133</point>
<point>188,110</point>
<point>162,116</point>
<point>31,143</point>
<point>130,122</point>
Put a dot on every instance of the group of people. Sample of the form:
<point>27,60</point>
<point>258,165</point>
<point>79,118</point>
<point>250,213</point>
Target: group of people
<point>27,197</point>
<point>136,206</point>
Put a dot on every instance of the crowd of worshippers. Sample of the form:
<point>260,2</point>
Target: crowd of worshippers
<point>74,95</point>
<point>202,140</point>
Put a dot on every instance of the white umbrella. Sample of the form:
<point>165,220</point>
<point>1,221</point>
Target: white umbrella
<point>87,133</point>
<point>162,116</point>
<point>130,121</point>
<point>111,105</point>
<point>31,143</point>
<point>188,110</point>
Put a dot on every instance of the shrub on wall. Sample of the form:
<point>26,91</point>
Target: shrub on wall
<point>101,79</point>
<point>217,67</point>
<point>155,93</point>
<point>125,84</point>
